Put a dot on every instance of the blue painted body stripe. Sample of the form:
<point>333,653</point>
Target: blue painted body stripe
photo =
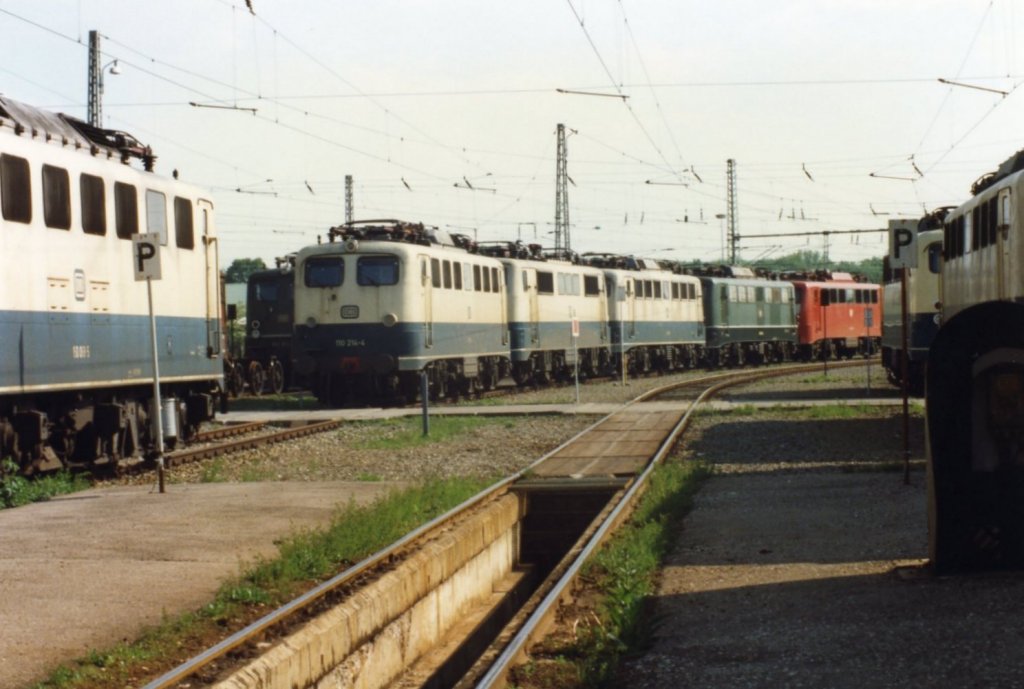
<point>42,351</point>
<point>923,329</point>
<point>554,336</point>
<point>655,333</point>
<point>404,342</point>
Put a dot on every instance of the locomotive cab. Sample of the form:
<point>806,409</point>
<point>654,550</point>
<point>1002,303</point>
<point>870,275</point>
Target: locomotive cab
<point>975,395</point>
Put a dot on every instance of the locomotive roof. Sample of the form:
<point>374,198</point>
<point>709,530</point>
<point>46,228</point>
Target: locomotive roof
<point>72,131</point>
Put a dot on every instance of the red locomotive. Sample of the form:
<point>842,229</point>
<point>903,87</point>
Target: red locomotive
<point>838,315</point>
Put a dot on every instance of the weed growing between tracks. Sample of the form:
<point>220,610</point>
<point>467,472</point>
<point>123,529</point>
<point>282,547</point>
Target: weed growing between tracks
<point>17,490</point>
<point>611,620</point>
<point>304,560</point>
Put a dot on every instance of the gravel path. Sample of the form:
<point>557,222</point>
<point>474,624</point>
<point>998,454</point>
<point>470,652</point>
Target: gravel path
<point>801,565</point>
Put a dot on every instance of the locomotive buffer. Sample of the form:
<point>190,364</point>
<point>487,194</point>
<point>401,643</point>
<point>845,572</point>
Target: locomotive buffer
<point>146,258</point>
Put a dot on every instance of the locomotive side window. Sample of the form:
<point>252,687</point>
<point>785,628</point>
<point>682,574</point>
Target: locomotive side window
<point>545,282</point>
<point>156,214</point>
<point>591,286</point>
<point>326,271</point>
<point>56,198</point>
<point>495,284</point>
<point>126,210</point>
<point>934,257</point>
<point>435,272</point>
<point>377,270</point>
<point>657,289</point>
<point>992,222</point>
<point>675,290</point>
<point>184,236</point>
<point>446,267</point>
<point>478,281</point>
<point>457,267</point>
<point>94,205</point>
<point>487,279</point>
<point>15,187</point>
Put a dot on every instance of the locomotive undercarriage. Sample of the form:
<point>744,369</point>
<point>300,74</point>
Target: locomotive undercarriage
<point>735,354</point>
<point>446,379</point>
<point>75,431</point>
<point>840,348</point>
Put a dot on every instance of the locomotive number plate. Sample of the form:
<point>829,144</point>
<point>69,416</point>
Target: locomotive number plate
<point>350,343</point>
<point>80,352</point>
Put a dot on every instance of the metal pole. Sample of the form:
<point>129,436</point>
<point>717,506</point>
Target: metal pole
<point>904,381</point>
<point>576,356</point>
<point>158,407</point>
<point>424,395</point>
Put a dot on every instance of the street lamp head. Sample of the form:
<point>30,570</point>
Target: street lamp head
<point>115,68</point>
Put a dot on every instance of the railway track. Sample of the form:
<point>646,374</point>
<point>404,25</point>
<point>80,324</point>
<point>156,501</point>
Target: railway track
<point>456,602</point>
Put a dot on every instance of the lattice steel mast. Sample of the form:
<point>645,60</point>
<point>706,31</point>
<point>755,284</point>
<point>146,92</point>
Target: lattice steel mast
<point>562,239</point>
<point>730,180</point>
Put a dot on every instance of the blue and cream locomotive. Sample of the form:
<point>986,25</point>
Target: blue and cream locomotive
<point>382,301</point>
<point>975,382</point>
<point>75,348</point>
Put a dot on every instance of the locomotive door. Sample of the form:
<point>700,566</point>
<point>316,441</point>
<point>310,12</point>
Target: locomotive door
<point>630,307</point>
<point>530,287</point>
<point>1004,261</point>
<point>212,279</point>
<point>426,285</point>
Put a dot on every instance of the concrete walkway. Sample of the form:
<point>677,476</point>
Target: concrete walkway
<point>89,570</point>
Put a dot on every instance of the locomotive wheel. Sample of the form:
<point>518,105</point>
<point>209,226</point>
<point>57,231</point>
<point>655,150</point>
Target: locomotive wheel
<point>257,377</point>
<point>275,375</point>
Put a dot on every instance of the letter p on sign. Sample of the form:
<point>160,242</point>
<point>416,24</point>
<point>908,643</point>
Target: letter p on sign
<point>146,256</point>
<point>903,243</point>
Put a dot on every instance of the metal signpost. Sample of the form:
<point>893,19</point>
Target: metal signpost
<point>576,353</point>
<point>146,259</point>
<point>902,256</point>
<point>869,320</point>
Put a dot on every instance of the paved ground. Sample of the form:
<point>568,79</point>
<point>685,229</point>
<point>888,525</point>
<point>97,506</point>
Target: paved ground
<point>95,568</point>
<point>814,579</point>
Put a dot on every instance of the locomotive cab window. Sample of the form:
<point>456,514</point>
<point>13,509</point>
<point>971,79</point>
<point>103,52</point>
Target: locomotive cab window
<point>156,214</point>
<point>56,198</point>
<point>325,271</point>
<point>126,210</point>
<point>184,234</point>
<point>591,285</point>
<point>545,282</point>
<point>15,189</point>
<point>375,271</point>
<point>94,206</point>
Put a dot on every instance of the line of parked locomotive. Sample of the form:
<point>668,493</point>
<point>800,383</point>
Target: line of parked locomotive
<point>75,347</point>
<point>382,301</point>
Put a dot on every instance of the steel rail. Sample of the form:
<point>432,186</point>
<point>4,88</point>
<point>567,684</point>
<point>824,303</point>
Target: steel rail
<point>281,614</point>
<point>496,675</point>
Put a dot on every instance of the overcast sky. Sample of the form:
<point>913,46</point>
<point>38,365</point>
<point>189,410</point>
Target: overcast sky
<point>445,111</point>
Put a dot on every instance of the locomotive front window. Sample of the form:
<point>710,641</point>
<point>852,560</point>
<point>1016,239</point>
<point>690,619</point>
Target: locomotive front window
<point>264,291</point>
<point>126,210</point>
<point>377,270</point>
<point>15,186</point>
<point>94,207</point>
<point>324,272</point>
<point>934,257</point>
<point>56,198</point>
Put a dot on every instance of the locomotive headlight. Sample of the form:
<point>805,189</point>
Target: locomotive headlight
<point>389,319</point>
<point>310,322</point>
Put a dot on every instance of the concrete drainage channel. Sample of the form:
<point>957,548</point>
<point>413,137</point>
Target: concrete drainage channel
<point>426,622</point>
